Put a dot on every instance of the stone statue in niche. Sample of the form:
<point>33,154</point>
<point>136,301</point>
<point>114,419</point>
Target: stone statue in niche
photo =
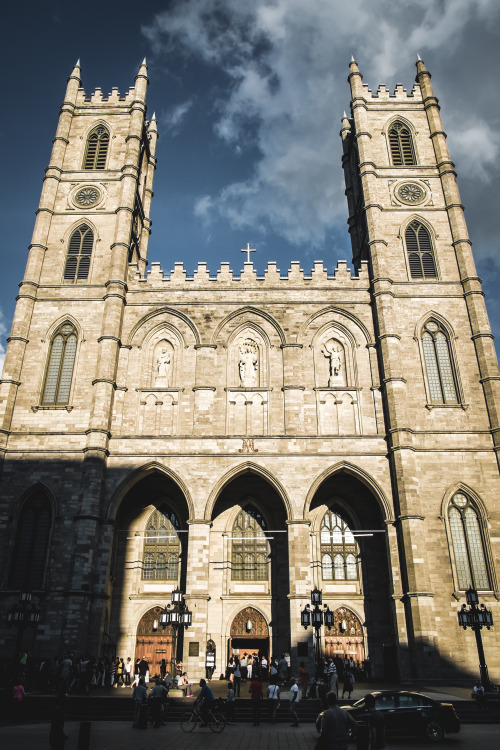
<point>163,366</point>
<point>333,352</point>
<point>248,363</point>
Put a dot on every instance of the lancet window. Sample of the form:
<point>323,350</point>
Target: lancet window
<point>162,547</point>
<point>250,548</point>
<point>420,253</point>
<point>59,374</point>
<point>338,549</point>
<point>438,363</point>
<point>79,253</point>
<point>468,544</point>
<point>401,145</point>
<point>31,545</point>
<point>97,148</point>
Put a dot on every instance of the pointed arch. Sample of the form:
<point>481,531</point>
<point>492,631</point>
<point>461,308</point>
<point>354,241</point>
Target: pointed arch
<point>362,476</point>
<point>33,533</point>
<point>96,148</point>
<point>436,341</point>
<point>248,310</point>
<point>401,142</point>
<point>248,467</point>
<point>346,315</point>
<point>136,476</point>
<point>154,314</point>
<point>420,252</point>
<point>60,365</point>
<point>78,257</point>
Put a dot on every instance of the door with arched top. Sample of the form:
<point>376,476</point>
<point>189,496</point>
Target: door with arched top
<point>249,634</point>
<point>153,642</point>
<point>346,637</point>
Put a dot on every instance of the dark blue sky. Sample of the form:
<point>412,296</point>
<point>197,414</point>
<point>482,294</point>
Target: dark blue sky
<point>248,98</point>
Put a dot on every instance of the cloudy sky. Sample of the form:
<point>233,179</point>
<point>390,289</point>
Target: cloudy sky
<point>248,97</point>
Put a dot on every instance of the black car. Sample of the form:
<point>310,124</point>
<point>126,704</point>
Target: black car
<point>408,713</point>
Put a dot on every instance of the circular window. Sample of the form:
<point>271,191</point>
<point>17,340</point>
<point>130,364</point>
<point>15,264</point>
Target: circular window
<point>410,192</point>
<point>460,500</point>
<point>88,196</point>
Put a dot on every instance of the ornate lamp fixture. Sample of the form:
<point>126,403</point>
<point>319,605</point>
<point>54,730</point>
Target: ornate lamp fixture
<point>178,616</point>
<point>476,618</point>
<point>316,617</point>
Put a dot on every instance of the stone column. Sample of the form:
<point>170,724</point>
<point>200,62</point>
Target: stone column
<point>197,594</point>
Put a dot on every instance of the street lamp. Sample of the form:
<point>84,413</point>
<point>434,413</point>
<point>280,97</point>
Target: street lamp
<point>178,616</point>
<point>22,613</point>
<point>476,618</point>
<point>316,617</point>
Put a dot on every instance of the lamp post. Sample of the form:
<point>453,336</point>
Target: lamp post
<point>22,613</point>
<point>178,615</point>
<point>476,618</point>
<point>316,617</point>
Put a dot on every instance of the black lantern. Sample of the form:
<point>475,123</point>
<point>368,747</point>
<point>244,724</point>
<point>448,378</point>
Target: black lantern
<point>177,596</point>
<point>176,615</point>
<point>305,617</point>
<point>316,597</point>
<point>329,619</point>
<point>476,618</point>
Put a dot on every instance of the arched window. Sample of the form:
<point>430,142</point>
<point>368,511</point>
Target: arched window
<point>338,545</point>
<point>420,252</point>
<point>31,545</point>
<point>79,254</point>
<point>60,366</point>
<point>249,547</point>
<point>97,148</point>
<point>468,544</point>
<point>401,144</point>
<point>162,546</point>
<point>438,363</point>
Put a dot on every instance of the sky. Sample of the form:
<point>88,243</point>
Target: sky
<point>248,98</point>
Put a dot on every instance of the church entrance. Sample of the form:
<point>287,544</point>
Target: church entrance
<point>249,634</point>
<point>345,638</point>
<point>153,642</point>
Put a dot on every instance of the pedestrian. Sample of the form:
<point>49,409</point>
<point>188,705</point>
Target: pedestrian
<point>243,667</point>
<point>136,672</point>
<point>273,699</point>
<point>163,669</point>
<point>230,701</point>
<point>376,724</point>
<point>479,696</point>
<point>57,737</point>
<point>143,669</point>
<point>85,674</point>
<point>128,669</point>
<point>348,685</point>
<point>249,668</point>
<point>120,668</point>
<point>157,697</point>
<point>334,725</point>
<point>333,680</point>
<point>209,664</point>
<point>255,691</point>
<point>206,700</point>
<point>283,670</point>
<point>263,667</point>
<point>304,679</point>
<point>139,696</point>
<point>65,675</point>
<point>168,680</point>
<point>294,702</point>
<point>237,677</point>
<point>18,694</point>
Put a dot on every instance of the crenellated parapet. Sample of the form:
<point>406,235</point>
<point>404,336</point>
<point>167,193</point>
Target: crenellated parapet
<point>112,99</point>
<point>400,94</point>
<point>249,279</point>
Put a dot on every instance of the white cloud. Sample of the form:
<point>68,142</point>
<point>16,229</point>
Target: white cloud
<point>286,62</point>
<point>475,148</point>
<point>172,120</point>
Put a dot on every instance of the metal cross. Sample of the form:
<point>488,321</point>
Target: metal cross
<point>247,250</point>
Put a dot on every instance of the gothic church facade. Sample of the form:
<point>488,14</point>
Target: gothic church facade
<point>249,438</point>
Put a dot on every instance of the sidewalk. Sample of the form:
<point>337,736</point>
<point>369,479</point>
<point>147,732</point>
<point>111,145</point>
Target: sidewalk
<point>112,735</point>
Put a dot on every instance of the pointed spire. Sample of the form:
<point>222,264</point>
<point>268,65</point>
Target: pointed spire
<point>144,62</point>
<point>418,57</point>
<point>352,59</point>
<point>77,64</point>
<point>344,117</point>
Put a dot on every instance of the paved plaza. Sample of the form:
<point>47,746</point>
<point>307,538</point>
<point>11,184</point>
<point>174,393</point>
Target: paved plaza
<point>107,735</point>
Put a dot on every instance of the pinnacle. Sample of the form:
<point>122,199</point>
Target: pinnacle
<point>419,59</point>
<point>77,64</point>
<point>352,59</point>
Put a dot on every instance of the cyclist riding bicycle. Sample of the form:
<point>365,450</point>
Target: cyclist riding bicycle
<point>206,700</point>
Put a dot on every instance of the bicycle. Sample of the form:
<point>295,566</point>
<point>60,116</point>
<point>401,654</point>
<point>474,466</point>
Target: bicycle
<point>216,721</point>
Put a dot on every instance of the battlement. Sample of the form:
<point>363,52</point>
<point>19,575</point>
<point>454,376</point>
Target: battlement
<point>400,94</point>
<point>248,277</point>
<point>97,98</point>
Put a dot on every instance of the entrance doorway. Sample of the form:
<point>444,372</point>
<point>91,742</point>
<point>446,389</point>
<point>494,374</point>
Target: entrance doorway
<point>153,642</point>
<point>249,634</point>
<point>345,638</point>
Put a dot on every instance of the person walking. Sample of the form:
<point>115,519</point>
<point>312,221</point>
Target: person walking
<point>334,725</point>
<point>348,685</point>
<point>128,669</point>
<point>304,679</point>
<point>255,691</point>
<point>273,699</point>
<point>157,697</point>
<point>294,702</point>
<point>139,696</point>
<point>283,670</point>
<point>237,677</point>
<point>333,679</point>
<point>376,724</point>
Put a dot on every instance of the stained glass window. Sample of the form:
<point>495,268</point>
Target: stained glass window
<point>249,546</point>
<point>59,374</point>
<point>31,545</point>
<point>468,547</point>
<point>338,549</point>
<point>162,546</point>
<point>440,375</point>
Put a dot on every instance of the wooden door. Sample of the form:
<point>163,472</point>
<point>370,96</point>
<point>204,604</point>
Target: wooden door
<point>153,642</point>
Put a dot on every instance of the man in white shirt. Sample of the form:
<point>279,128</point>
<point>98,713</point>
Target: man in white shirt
<point>294,702</point>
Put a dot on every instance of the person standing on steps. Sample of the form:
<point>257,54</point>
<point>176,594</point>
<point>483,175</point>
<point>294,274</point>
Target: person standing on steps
<point>294,702</point>
<point>237,677</point>
<point>255,691</point>
<point>273,697</point>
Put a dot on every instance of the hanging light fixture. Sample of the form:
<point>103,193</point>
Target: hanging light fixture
<point>316,597</point>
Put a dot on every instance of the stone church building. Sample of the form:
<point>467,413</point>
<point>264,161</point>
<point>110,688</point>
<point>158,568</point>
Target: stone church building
<point>249,438</point>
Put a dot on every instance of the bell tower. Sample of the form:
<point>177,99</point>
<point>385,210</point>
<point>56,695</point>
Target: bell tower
<point>437,363</point>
